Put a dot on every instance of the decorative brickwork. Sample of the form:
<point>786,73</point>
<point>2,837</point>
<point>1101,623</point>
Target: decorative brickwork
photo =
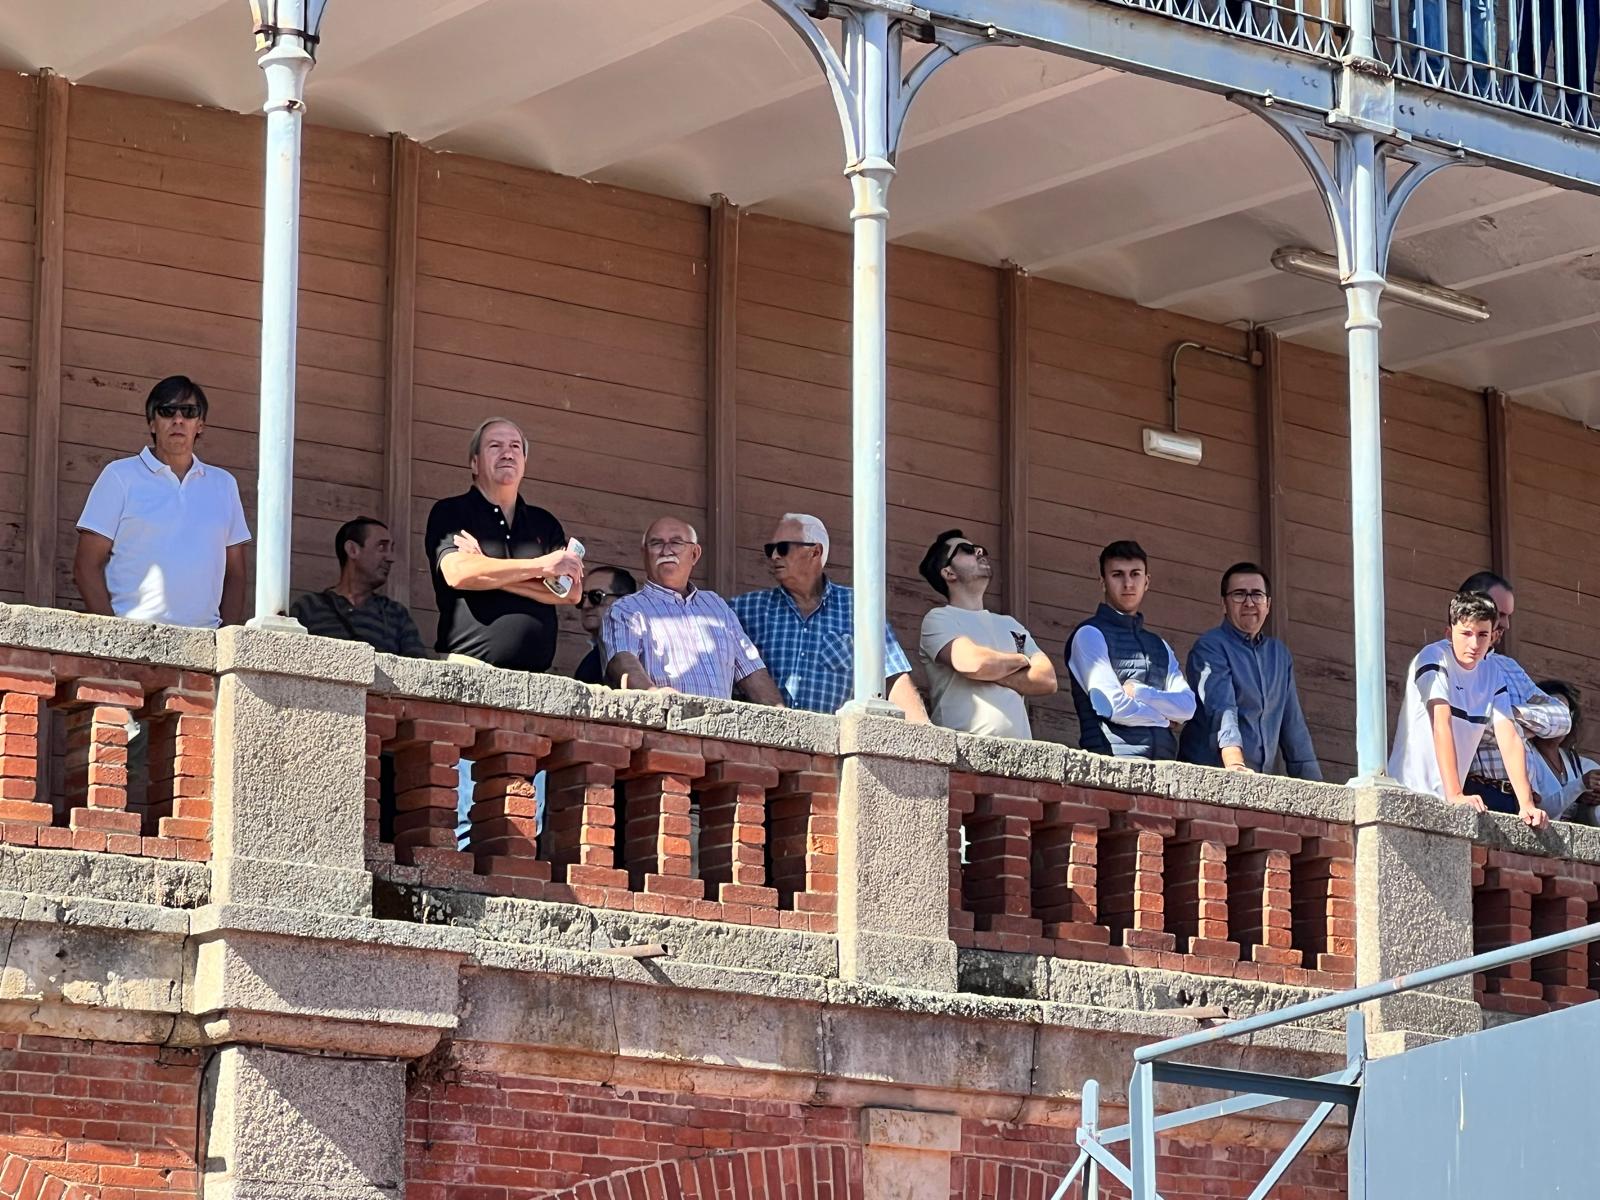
<point>1518,897</point>
<point>95,1121</point>
<point>635,819</point>
<point>150,799</point>
<point>1150,882</point>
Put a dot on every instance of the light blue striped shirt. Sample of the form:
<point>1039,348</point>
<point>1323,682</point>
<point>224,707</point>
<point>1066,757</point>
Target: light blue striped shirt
<point>693,643</point>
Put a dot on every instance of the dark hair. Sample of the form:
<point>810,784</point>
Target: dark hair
<point>1245,568</point>
<point>1473,606</point>
<point>933,562</point>
<point>1482,581</point>
<point>1560,687</point>
<point>622,581</point>
<point>1123,549</point>
<point>175,389</point>
<point>353,531</point>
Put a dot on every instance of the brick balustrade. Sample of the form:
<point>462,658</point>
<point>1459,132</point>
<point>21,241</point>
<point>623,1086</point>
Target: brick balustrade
<point>1114,877</point>
<point>1517,897</point>
<point>66,781</point>
<point>626,809</point>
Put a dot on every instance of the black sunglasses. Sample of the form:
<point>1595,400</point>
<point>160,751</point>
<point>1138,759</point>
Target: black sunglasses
<point>594,598</point>
<point>187,411</point>
<point>781,549</point>
<point>963,548</point>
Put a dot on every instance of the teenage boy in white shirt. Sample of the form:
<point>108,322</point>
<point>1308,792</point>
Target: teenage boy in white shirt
<point>980,664</point>
<point>1454,694</point>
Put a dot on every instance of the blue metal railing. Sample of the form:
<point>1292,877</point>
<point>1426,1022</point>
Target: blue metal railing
<point>1313,26</point>
<point>1533,56</point>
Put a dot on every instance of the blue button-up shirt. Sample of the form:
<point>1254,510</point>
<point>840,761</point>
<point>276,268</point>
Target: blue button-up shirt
<point>1247,698</point>
<point>811,658</point>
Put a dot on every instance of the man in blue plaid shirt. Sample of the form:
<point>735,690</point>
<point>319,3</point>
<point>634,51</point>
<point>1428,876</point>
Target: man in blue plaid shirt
<point>1537,715</point>
<point>803,626</point>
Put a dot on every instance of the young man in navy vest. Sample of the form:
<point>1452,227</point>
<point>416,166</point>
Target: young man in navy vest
<point>1127,684</point>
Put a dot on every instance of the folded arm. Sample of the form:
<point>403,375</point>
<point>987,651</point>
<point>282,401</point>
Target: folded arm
<point>1090,663</point>
<point>966,657</point>
<point>1174,699</point>
<point>1038,678</point>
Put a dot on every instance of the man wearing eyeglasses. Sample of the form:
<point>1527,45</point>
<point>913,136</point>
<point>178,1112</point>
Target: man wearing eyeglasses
<point>1126,682</point>
<point>162,534</point>
<point>671,636</point>
<point>803,627</point>
<point>1247,713</point>
<point>605,585</point>
<point>981,665</point>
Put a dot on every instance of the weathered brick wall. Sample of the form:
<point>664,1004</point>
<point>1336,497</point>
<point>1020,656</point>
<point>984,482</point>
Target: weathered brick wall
<point>479,1135</point>
<point>1001,1161</point>
<point>95,1121</point>
<point>485,1136</point>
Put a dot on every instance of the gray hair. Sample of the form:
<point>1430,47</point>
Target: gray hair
<point>645,536</point>
<point>813,528</point>
<point>477,435</point>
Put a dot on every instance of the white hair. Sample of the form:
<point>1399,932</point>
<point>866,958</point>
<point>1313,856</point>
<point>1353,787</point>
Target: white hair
<point>814,530</point>
<point>645,536</point>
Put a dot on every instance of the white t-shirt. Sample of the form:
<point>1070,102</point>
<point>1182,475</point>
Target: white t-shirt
<point>1476,698</point>
<point>968,704</point>
<point>168,537</point>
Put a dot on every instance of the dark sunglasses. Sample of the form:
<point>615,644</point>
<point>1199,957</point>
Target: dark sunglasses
<point>595,598</point>
<point>781,549</point>
<point>187,411</point>
<point>963,548</point>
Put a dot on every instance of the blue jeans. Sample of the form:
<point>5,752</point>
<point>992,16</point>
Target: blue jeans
<point>1577,57</point>
<point>464,802</point>
<point>1430,27</point>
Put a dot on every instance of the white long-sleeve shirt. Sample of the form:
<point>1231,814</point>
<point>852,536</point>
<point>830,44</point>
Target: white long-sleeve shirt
<point>1090,663</point>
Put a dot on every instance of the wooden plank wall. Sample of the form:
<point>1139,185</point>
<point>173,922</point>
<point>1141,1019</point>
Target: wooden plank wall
<point>163,267</point>
<point>581,311</point>
<point>1098,374</point>
<point>17,187</point>
<point>794,403</point>
<point>1555,513</point>
<point>1436,529</point>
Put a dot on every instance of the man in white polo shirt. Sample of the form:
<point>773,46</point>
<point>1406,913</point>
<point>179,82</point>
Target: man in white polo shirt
<point>162,534</point>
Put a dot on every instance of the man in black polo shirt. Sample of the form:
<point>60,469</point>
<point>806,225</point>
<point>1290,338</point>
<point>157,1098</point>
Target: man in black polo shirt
<point>494,606</point>
<point>354,609</point>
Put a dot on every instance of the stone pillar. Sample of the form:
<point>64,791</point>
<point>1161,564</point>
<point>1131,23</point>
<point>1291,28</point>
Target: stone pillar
<point>302,1127</point>
<point>894,874</point>
<point>1413,910</point>
<point>906,1154</point>
<point>290,772</point>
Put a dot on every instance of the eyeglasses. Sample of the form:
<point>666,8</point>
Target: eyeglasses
<point>1254,595</point>
<point>964,548</point>
<point>595,598</point>
<point>168,411</point>
<point>657,545</point>
<point>781,549</point>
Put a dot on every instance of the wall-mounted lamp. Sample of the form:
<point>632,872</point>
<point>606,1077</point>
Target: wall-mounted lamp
<point>1173,443</point>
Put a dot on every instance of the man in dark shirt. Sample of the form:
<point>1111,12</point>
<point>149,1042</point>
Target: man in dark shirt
<point>605,585</point>
<point>494,606</point>
<point>354,609</point>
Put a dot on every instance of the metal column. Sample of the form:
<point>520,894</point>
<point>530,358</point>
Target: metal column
<point>285,59</point>
<point>1363,207</point>
<point>873,95</point>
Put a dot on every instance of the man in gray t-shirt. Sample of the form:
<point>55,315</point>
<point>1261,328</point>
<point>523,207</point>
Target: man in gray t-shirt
<point>981,665</point>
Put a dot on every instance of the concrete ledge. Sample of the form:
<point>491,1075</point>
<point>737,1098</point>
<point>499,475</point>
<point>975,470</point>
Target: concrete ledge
<point>61,632</point>
<point>1403,809</point>
<point>1559,839</point>
<point>908,1130</point>
<point>734,721</point>
<point>893,737</point>
<point>300,655</point>
<point>1211,785</point>
<point>535,923</point>
<point>118,877</point>
<point>1044,762</point>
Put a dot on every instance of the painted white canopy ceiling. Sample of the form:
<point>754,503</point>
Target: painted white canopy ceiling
<point>1166,196</point>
